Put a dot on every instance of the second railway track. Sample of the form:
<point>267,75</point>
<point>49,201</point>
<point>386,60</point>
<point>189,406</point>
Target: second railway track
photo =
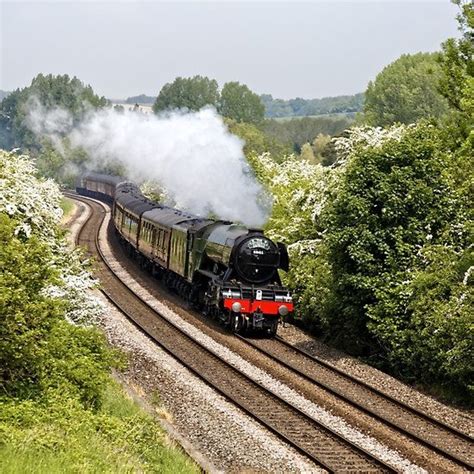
<point>320,443</point>
<point>436,435</point>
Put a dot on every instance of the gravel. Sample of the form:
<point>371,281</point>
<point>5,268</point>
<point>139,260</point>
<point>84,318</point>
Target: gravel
<point>460,419</point>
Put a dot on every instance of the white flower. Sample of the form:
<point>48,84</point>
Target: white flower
<point>34,203</point>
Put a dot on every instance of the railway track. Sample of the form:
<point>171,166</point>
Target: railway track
<point>320,443</point>
<point>434,434</point>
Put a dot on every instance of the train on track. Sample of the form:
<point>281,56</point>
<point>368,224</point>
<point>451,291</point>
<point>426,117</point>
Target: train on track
<point>227,270</point>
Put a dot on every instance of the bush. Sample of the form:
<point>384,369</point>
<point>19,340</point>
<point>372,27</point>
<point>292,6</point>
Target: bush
<point>390,200</point>
<point>27,314</point>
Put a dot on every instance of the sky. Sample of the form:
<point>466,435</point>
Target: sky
<point>287,49</point>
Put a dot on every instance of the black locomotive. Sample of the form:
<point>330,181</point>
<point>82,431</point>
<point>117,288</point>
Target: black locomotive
<point>227,270</point>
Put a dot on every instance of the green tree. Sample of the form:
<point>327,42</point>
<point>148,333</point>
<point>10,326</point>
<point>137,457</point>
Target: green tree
<point>405,91</point>
<point>299,131</point>
<point>238,102</point>
<point>320,147</point>
<point>398,246</point>
<point>27,314</point>
<point>257,142</point>
<point>191,93</point>
<point>50,92</point>
<point>299,107</point>
<point>457,80</point>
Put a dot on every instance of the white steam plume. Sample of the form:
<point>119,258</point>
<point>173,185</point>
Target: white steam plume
<point>192,155</point>
<point>53,123</point>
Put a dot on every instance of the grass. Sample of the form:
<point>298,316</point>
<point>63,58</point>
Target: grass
<point>67,206</point>
<point>59,436</point>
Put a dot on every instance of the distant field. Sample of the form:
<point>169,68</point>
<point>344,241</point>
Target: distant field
<point>147,108</point>
<point>349,115</point>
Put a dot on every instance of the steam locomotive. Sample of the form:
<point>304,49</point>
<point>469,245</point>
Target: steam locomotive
<point>227,270</point>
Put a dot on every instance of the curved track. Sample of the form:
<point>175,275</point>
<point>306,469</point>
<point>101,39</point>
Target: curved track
<point>445,440</point>
<point>325,447</point>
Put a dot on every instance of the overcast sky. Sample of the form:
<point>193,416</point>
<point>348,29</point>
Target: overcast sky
<point>286,49</point>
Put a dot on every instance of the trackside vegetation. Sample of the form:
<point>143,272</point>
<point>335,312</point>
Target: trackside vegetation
<point>60,410</point>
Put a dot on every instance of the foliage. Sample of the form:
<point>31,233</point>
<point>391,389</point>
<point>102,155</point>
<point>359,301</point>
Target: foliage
<point>347,104</point>
<point>320,148</point>
<point>192,93</point>
<point>27,313</point>
<point>297,132</point>
<point>239,103</point>
<point>457,81</point>
<point>61,161</point>
<point>50,91</point>
<point>386,205</point>
<point>300,192</point>
<point>398,244</point>
<point>457,60</point>
<point>257,142</point>
<point>307,153</point>
<point>33,202</point>
<point>59,407</point>
<point>379,245</point>
<point>42,283</point>
<point>405,91</point>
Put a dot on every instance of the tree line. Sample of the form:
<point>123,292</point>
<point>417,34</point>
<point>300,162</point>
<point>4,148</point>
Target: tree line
<point>298,107</point>
<point>241,108</point>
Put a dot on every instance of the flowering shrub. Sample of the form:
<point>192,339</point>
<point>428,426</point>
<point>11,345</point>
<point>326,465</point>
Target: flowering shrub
<point>366,137</point>
<point>43,283</point>
<point>33,204</point>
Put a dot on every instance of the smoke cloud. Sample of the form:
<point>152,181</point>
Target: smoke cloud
<point>193,156</point>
